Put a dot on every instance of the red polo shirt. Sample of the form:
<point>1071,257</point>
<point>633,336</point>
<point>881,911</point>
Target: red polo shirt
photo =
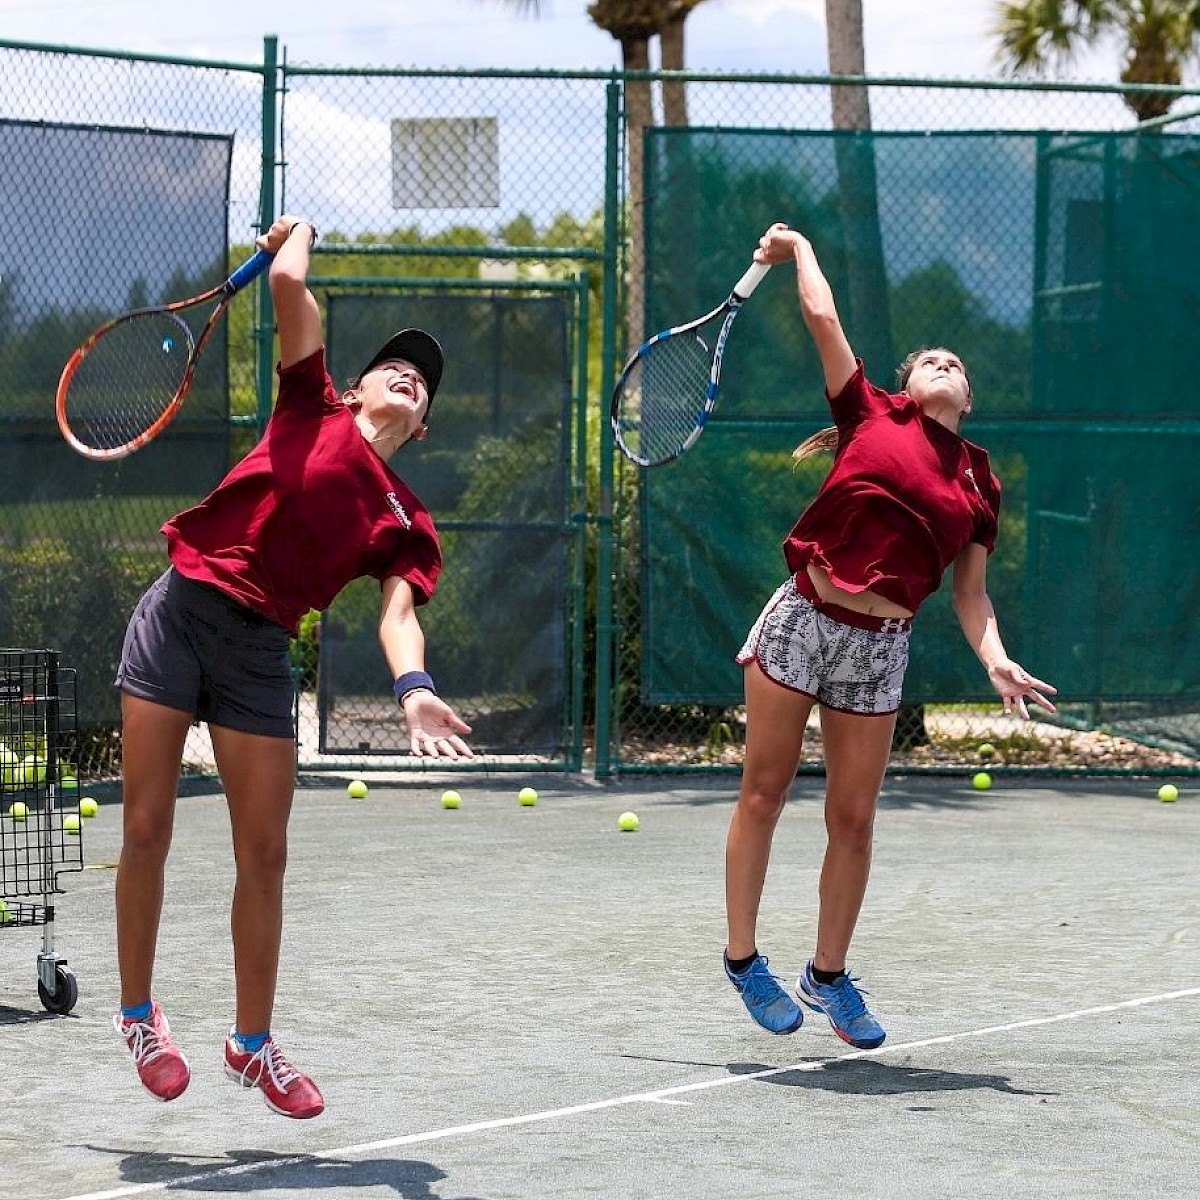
<point>904,498</point>
<point>309,509</point>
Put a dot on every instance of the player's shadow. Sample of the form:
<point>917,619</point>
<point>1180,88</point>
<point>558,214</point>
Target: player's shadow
<point>866,1077</point>
<point>257,1170</point>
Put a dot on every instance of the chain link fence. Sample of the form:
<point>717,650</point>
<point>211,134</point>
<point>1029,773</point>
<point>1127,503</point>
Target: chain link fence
<point>122,183</point>
<point>424,182</point>
<point>1033,232</point>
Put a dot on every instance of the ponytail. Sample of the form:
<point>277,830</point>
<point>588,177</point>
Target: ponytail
<point>824,439</point>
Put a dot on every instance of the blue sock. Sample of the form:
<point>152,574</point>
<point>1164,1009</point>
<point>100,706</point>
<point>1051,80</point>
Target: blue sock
<point>139,1012</point>
<point>251,1043</point>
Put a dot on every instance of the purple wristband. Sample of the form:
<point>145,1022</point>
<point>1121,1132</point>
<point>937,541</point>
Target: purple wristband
<point>412,681</point>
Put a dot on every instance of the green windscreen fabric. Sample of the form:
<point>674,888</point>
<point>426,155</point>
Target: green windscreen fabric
<point>93,222</point>
<point>1065,271</point>
<point>494,473</point>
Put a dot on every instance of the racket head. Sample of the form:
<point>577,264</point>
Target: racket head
<point>125,384</point>
<point>663,397</point>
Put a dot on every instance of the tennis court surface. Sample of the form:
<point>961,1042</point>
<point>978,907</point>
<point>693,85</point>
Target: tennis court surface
<point>525,1002</point>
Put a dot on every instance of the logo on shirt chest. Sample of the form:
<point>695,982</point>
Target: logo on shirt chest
<point>398,508</point>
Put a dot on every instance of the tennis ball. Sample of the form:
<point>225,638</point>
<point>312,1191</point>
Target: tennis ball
<point>986,750</point>
<point>982,781</point>
<point>451,799</point>
<point>628,822</point>
<point>5,914</point>
<point>356,789</point>
<point>18,811</point>
<point>527,796</point>
<point>9,764</point>
<point>34,768</point>
<point>71,823</point>
<point>88,807</point>
<point>1168,793</point>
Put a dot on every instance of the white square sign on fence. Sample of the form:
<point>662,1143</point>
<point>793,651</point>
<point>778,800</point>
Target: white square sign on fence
<point>446,162</point>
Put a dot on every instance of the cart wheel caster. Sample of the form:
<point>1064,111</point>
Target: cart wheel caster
<point>65,994</point>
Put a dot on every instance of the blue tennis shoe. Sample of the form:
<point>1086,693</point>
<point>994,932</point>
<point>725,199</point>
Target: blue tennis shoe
<point>766,1001</point>
<point>842,1002</point>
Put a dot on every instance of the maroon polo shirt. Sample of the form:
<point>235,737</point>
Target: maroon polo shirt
<point>904,498</point>
<point>309,509</point>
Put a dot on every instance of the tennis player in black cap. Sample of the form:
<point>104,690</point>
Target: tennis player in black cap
<point>312,507</point>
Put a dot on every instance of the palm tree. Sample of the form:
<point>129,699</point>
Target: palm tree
<point>862,238</point>
<point>634,23</point>
<point>1159,36</point>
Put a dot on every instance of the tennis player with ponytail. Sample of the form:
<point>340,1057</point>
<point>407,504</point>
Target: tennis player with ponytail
<point>906,498</point>
<point>312,507</point>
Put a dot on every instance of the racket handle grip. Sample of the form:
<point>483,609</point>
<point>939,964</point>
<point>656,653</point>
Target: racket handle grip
<point>248,272</point>
<point>752,278</point>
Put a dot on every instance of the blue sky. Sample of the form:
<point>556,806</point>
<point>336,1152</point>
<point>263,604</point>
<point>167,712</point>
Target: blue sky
<point>944,38</point>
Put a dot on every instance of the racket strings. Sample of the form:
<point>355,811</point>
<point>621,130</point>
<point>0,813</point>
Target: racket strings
<point>663,396</point>
<point>128,379</point>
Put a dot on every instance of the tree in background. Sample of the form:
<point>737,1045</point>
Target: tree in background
<point>1159,37</point>
<point>862,238</point>
<point>634,23</point>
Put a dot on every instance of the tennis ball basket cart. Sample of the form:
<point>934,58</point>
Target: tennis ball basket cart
<point>41,833</point>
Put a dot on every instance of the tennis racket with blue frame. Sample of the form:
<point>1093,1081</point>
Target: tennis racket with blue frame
<point>668,389</point>
<point>127,382</point>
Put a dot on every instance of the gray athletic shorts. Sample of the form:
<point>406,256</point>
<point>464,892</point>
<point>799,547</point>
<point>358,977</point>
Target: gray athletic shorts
<point>846,660</point>
<point>190,646</point>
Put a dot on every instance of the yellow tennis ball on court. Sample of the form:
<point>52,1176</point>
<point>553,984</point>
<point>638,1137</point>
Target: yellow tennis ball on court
<point>628,822</point>
<point>88,807</point>
<point>982,781</point>
<point>18,811</point>
<point>71,823</point>
<point>356,789</point>
<point>1168,793</point>
<point>451,799</point>
<point>986,750</point>
<point>527,796</point>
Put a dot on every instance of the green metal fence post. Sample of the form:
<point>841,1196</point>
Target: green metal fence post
<point>605,593</point>
<point>264,333</point>
<point>579,516</point>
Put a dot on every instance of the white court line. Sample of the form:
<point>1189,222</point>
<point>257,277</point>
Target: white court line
<point>660,1095</point>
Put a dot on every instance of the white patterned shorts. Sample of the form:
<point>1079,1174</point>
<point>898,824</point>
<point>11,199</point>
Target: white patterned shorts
<point>848,661</point>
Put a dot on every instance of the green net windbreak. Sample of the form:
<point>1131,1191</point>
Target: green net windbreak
<point>95,221</point>
<point>1066,272</point>
<point>494,473</point>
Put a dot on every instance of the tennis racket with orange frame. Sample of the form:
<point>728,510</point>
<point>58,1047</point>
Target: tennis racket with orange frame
<point>127,382</point>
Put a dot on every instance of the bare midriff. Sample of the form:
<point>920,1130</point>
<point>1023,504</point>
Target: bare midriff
<point>863,602</point>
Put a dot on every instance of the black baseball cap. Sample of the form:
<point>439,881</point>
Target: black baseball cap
<point>417,347</point>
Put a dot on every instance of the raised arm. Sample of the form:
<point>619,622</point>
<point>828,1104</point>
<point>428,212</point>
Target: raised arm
<point>297,316</point>
<point>817,306</point>
<point>975,613</point>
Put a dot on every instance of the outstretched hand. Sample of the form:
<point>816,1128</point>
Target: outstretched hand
<point>434,727</point>
<point>1016,686</point>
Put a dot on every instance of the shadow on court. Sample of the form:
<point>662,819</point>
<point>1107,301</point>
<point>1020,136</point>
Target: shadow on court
<point>866,1078</point>
<point>411,1179</point>
<point>27,1016</point>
